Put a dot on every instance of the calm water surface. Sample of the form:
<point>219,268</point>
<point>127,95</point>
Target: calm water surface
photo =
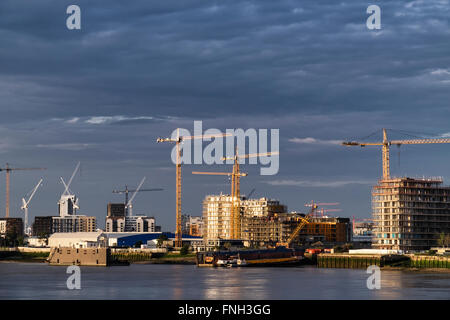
<point>41,281</point>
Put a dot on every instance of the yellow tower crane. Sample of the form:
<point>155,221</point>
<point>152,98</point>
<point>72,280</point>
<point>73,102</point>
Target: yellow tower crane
<point>178,140</point>
<point>235,217</point>
<point>305,220</point>
<point>235,196</point>
<point>236,190</point>
<point>8,170</point>
<point>386,143</point>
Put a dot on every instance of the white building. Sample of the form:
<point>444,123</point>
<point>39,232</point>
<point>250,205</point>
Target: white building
<point>2,226</point>
<point>77,239</point>
<point>130,224</point>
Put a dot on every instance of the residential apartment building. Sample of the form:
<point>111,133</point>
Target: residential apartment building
<point>74,223</point>
<point>217,214</point>
<point>276,228</point>
<point>410,214</point>
<point>11,226</point>
<point>42,225</point>
<point>192,225</point>
<point>131,224</point>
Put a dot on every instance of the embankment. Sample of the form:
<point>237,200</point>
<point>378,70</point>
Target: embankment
<point>384,261</point>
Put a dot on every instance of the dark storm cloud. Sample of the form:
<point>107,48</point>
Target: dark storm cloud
<point>165,57</point>
<point>139,69</point>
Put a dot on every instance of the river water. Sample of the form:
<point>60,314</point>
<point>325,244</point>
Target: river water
<point>139,281</point>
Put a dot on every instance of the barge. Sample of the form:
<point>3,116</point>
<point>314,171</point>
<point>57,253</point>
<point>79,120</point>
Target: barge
<point>277,257</point>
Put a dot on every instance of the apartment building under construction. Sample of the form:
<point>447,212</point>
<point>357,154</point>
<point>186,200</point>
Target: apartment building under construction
<point>276,228</point>
<point>217,213</point>
<point>410,214</point>
<point>266,222</point>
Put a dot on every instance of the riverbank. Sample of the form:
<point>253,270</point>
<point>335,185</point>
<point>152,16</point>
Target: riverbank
<point>402,262</point>
<point>18,256</point>
<point>135,258</point>
<point>166,258</point>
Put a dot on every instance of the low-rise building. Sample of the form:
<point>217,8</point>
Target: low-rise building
<point>77,239</point>
<point>192,225</point>
<point>138,223</point>
<point>74,223</point>
<point>11,227</point>
<point>42,226</point>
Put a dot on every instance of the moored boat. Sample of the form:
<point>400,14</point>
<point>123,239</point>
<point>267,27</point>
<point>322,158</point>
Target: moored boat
<point>280,256</point>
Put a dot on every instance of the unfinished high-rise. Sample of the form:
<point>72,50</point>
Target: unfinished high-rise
<point>266,222</point>
<point>217,214</point>
<point>410,214</point>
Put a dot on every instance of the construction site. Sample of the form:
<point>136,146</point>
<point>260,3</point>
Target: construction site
<point>408,214</point>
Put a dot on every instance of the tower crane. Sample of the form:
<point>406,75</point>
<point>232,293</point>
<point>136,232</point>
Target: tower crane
<point>178,140</point>
<point>235,195</point>
<point>68,202</point>
<point>126,191</point>
<point>385,145</point>
<point>25,204</point>
<point>69,194</point>
<point>8,170</point>
<point>129,204</point>
<point>236,190</point>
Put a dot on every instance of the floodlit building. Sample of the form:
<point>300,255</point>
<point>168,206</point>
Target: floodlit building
<point>265,222</point>
<point>276,228</point>
<point>217,214</point>
<point>410,214</point>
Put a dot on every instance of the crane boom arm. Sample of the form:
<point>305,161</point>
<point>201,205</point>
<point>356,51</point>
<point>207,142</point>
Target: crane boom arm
<point>71,178</point>
<point>141,190</point>
<point>137,190</point>
<point>241,174</point>
<point>252,155</point>
<point>26,202</point>
<point>419,141</point>
<point>297,230</point>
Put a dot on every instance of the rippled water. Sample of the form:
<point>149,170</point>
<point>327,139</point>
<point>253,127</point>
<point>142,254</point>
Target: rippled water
<point>41,281</point>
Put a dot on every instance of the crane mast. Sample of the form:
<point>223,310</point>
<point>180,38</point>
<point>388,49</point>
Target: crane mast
<point>8,171</point>
<point>126,191</point>
<point>178,140</point>
<point>25,204</point>
<point>235,196</point>
<point>129,204</point>
<point>235,227</point>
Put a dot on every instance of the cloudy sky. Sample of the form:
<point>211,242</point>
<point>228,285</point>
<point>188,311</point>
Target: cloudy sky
<point>138,70</point>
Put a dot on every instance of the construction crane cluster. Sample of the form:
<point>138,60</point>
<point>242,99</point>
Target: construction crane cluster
<point>305,220</point>
<point>178,140</point>
<point>235,214</point>
<point>126,192</point>
<point>8,171</point>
